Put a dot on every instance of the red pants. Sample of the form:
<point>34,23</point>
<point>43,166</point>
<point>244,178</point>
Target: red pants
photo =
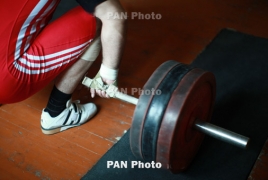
<point>33,53</point>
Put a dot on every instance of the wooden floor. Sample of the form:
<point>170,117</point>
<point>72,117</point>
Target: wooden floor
<point>184,30</point>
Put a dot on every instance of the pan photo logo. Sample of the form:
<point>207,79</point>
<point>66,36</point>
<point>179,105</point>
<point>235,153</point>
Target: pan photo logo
<point>134,15</point>
<point>139,91</point>
<point>133,164</point>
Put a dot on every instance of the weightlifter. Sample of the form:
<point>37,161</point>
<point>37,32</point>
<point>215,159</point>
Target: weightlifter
<point>34,52</point>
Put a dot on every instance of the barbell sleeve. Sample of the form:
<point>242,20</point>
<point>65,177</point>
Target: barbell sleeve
<point>222,134</point>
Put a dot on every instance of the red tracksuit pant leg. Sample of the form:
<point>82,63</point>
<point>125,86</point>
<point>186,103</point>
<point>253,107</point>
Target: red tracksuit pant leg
<point>33,53</point>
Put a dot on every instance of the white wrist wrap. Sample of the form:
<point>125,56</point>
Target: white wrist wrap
<point>108,73</point>
<point>92,52</point>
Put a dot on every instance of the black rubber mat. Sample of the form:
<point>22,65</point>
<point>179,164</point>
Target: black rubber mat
<point>240,64</point>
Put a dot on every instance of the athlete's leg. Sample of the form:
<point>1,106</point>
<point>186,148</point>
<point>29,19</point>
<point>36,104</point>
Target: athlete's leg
<point>68,80</point>
<point>71,77</point>
<point>61,113</point>
<point>37,57</point>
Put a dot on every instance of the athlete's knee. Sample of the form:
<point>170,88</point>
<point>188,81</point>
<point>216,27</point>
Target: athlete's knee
<point>104,10</point>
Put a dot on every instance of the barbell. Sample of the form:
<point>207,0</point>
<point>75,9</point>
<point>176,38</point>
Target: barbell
<point>169,127</point>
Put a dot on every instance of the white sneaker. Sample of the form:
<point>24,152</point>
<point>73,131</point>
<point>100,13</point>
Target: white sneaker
<point>75,114</point>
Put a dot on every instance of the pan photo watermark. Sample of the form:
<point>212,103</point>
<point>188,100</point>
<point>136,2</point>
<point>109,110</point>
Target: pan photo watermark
<point>139,91</point>
<point>133,164</point>
<point>134,15</point>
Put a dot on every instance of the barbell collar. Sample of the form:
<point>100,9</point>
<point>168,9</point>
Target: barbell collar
<point>222,134</point>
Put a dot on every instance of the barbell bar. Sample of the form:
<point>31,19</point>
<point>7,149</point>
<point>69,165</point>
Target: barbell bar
<point>204,127</point>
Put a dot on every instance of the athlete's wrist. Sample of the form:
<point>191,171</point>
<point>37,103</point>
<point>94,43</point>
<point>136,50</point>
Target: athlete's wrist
<point>108,73</point>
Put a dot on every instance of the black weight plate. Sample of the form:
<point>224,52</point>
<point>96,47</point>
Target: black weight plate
<point>143,104</point>
<point>157,109</point>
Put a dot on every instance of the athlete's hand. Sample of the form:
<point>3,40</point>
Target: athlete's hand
<point>99,92</point>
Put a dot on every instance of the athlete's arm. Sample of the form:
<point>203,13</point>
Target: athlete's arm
<point>112,33</point>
